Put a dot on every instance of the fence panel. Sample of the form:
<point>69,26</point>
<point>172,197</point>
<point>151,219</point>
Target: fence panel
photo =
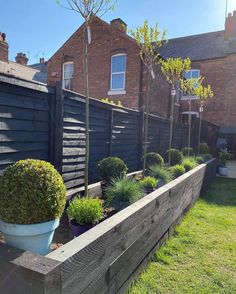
<point>25,125</point>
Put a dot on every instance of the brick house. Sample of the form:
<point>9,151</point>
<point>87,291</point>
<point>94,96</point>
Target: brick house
<point>115,68</point>
<point>20,67</point>
<point>213,55</point>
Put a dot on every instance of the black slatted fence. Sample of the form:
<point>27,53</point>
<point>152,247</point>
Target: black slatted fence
<point>48,123</point>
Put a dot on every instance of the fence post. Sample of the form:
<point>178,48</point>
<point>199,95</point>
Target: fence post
<point>111,128</point>
<point>58,127</point>
<point>140,139</point>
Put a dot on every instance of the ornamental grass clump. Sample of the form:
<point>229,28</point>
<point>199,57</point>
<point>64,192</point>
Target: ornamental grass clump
<point>85,211</point>
<point>124,190</point>
<point>161,173</point>
<point>187,151</point>
<point>149,183</point>
<point>176,156</point>
<point>177,170</point>
<point>31,192</point>
<point>154,158</point>
<point>189,163</point>
<point>112,167</point>
<point>199,159</point>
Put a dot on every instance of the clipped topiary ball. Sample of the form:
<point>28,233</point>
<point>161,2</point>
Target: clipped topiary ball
<point>154,158</point>
<point>112,167</point>
<point>31,191</point>
<point>176,156</point>
<point>187,151</point>
<point>203,148</point>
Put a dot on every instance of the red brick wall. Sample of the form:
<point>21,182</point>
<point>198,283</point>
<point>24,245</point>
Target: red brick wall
<point>221,75</point>
<point>106,41</point>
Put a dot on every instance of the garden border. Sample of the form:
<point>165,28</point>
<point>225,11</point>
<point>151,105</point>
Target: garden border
<point>96,262</point>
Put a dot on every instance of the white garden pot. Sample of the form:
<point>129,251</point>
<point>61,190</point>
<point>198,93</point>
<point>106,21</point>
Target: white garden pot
<point>223,171</point>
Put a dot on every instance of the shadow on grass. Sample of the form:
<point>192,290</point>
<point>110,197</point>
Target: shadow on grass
<point>222,191</point>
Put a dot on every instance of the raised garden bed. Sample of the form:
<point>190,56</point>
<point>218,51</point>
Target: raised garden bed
<point>106,258</point>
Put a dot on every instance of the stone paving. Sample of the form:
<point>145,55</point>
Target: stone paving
<point>232,169</point>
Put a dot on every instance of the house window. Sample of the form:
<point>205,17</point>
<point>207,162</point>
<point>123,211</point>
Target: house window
<point>190,74</point>
<point>68,71</point>
<point>118,70</point>
<point>185,116</point>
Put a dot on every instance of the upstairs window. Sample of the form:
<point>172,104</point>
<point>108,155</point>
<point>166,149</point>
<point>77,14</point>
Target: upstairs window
<point>190,74</point>
<point>118,70</point>
<point>68,72</point>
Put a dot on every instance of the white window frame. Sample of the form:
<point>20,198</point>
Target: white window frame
<point>63,75</point>
<point>184,97</point>
<point>191,112</point>
<point>122,90</point>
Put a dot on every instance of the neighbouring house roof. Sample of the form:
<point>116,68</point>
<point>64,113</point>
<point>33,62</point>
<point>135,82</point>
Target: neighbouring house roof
<point>41,75</point>
<point>21,71</point>
<point>199,47</point>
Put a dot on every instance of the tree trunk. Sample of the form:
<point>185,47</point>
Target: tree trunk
<point>199,131</point>
<point>171,124</point>
<point>86,87</point>
<point>146,124</point>
<point>189,124</point>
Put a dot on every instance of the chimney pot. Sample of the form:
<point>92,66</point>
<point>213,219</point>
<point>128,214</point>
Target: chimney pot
<point>3,48</point>
<point>21,58</point>
<point>230,26</point>
<point>119,24</point>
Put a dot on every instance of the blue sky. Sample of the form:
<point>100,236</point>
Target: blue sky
<point>40,27</point>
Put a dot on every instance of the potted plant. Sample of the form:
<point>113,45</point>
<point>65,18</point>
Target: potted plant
<point>109,168</point>
<point>122,192</point>
<point>32,197</point>
<point>163,175</point>
<point>84,213</point>
<point>224,156</point>
<point>149,184</point>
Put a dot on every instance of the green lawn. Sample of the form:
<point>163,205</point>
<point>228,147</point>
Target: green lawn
<point>201,255</point>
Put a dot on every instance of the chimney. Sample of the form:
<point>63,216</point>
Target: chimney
<point>21,58</point>
<point>119,24</point>
<point>3,48</point>
<point>230,26</point>
<point>41,60</point>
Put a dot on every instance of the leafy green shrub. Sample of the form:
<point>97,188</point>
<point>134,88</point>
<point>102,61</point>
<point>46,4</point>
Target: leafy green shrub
<point>124,189</point>
<point>187,151</point>
<point>199,159</point>
<point>112,167</point>
<point>207,156</point>
<point>154,158</point>
<point>159,172</point>
<point>188,164</point>
<point>176,156</point>
<point>85,211</point>
<point>224,156</point>
<point>149,183</point>
<point>177,170</point>
<point>203,148</point>
<point>31,191</point>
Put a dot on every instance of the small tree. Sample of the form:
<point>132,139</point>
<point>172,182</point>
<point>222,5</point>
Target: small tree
<point>173,69</point>
<point>204,94</point>
<point>87,9</point>
<point>189,87</point>
<point>149,40</point>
